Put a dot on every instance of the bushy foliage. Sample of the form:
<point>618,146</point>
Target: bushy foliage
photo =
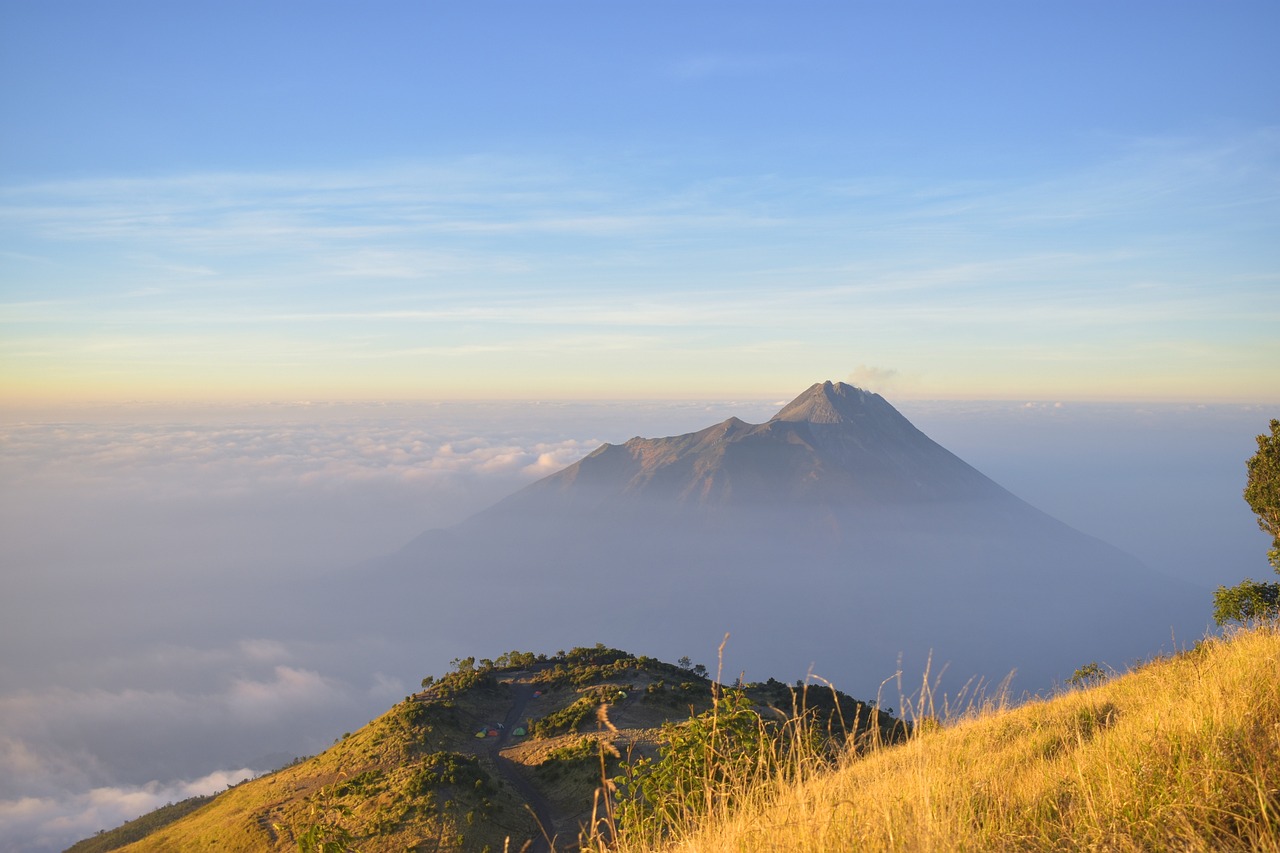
<point>566,719</point>
<point>517,660</point>
<point>1245,602</point>
<point>729,755</point>
<point>571,717</point>
<point>325,838</point>
<point>583,747</point>
<point>587,665</point>
<point>1090,673</point>
<point>1252,599</point>
<point>459,681</point>
<point>448,768</point>
<point>325,831</point>
<point>1263,490</point>
<point>361,784</point>
<point>579,759</point>
<point>1180,754</point>
<point>703,761</point>
<point>467,673</point>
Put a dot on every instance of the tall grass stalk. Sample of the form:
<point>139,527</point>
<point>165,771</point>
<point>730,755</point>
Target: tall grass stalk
<point>1181,754</point>
<point>737,757</point>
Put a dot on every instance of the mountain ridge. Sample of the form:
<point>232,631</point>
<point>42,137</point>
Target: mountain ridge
<point>836,514</point>
<point>833,444</point>
<point>495,754</point>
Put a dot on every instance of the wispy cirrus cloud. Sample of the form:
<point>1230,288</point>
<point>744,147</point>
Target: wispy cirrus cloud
<point>428,266</point>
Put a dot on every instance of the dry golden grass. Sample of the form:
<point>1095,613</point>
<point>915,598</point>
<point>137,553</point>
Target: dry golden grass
<point>1181,754</point>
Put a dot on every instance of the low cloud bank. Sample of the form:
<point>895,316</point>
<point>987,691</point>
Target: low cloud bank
<point>148,560</point>
<point>204,492</point>
<point>55,823</point>
<point>78,759</point>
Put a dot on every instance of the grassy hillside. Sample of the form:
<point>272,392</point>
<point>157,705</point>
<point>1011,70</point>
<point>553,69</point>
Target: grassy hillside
<point>138,828</point>
<point>1181,754</point>
<point>419,778</point>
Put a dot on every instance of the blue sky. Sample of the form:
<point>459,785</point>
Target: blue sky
<point>512,200</point>
<point>688,202</point>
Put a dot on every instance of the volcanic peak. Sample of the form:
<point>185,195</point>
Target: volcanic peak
<point>833,445</point>
<point>831,403</point>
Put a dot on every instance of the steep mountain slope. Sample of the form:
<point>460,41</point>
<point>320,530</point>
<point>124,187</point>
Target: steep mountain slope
<point>832,445</point>
<point>835,535</point>
<point>494,755</point>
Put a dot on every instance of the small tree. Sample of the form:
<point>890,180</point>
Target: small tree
<point>1252,599</point>
<point>1245,602</point>
<point>1263,490</point>
<point>1089,674</point>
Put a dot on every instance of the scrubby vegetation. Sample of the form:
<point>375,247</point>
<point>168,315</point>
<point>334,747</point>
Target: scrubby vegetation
<point>412,779</point>
<point>1181,754</point>
<point>1252,599</point>
<point>465,764</point>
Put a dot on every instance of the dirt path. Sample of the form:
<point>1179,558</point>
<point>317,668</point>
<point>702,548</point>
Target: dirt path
<point>510,772</point>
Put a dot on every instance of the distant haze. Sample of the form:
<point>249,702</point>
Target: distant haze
<point>615,220</point>
<point>147,551</point>
<point>835,535</point>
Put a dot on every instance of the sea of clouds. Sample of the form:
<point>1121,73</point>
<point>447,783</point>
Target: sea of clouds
<point>152,555</point>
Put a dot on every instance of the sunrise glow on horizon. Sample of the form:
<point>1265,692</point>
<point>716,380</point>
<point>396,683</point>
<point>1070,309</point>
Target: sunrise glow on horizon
<point>583,202</point>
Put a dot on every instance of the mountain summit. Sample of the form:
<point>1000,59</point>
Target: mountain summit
<point>835,534</point>
<point>833,445</point>
<point>835,403</point>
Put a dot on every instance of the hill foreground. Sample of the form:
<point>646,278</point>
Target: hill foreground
<point>1181,754</point>
<point>495,755</point>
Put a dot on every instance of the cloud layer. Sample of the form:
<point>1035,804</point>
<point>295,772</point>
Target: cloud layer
<point>53,823</point>
<point>150,553</point>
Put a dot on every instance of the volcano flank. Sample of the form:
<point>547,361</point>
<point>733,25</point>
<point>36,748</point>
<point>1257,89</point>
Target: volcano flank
<point>836,536</point>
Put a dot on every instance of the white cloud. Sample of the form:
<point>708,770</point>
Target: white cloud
<point>880,380</point>
<point>32,824</point>
<point>550,461</point>
<point>75,760</point>
<point>157,497</point>
<point>240,496</point>
<point>458,286</point>
<point>134,711</point>
<point>257,701</point>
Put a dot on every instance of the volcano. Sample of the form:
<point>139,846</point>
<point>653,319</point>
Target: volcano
<point>834,445</point>
<point>835,537</point>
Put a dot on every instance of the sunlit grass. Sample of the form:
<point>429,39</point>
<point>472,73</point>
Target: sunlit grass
<point>1181,754</point>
